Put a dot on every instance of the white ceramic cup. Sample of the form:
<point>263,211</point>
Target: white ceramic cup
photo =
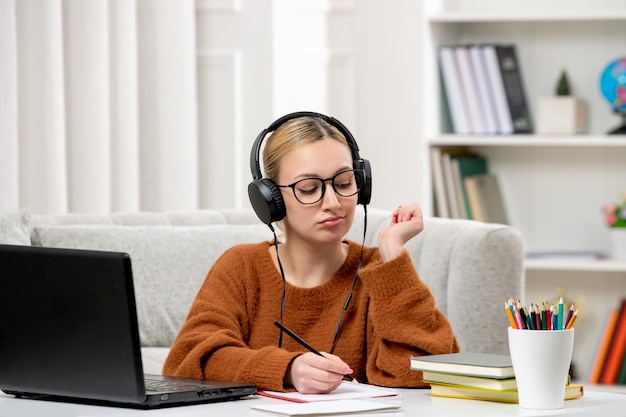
<point>541,361</point>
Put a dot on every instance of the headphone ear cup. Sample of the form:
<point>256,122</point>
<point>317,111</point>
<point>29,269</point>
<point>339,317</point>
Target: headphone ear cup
<point>365,194</point>
<point>267,200</point>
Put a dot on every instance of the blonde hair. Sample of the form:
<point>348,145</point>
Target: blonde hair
<point>292,135</point>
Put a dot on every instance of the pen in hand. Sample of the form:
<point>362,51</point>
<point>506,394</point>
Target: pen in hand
<point>309,347</point>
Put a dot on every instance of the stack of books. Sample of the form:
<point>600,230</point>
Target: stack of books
<point>609,362</point>
<point>475,376</point>
<point>464,188</point>
<point>484,90</point>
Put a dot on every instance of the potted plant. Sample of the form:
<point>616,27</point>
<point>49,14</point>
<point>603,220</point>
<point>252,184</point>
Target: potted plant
<point>561,113</point>
<point>615,218</point>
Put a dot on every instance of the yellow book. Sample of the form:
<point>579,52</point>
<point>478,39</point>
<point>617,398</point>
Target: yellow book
<point>508,396</point>
<point>439,378</point>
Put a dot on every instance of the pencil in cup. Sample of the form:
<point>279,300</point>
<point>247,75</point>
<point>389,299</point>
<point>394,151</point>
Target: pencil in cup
<point>540,318</point>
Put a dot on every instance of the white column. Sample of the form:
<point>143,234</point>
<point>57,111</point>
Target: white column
<point>124,105</point>
<point>8,108</point>
<point>235,94</point>
<point>87,95</point>
<point>167,99</point>
<point>300,56</point>
<point>41,115</point>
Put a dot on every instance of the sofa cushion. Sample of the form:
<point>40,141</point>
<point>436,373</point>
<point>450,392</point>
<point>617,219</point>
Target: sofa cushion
<point>169,264</point>
<point>153,359</point>
<point>15,228</point>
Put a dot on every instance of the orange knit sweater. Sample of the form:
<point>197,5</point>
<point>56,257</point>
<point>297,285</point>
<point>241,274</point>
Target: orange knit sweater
<point>230,333</point>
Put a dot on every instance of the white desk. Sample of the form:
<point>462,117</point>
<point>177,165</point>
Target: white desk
<point>415,403</point>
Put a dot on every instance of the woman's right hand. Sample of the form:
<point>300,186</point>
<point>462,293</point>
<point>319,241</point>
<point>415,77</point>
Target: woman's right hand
<point>313,374</point>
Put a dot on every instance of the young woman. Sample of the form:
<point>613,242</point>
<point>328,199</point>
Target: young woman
<point>306,280</point>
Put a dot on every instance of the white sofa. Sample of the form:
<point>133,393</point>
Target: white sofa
<point>471,267</point>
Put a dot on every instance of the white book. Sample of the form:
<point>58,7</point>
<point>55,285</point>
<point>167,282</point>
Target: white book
<point>470,89</point>
<point>452,87</point>
<point>439,185</point>
<point>455,207</point>
<point>458,188</point>
<point>488,365</point>
<point>484,194</point>
<point>503,113</point>
<point>474,199</point>
<point>485,93</point>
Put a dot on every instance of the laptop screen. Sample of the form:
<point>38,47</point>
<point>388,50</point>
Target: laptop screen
<point>68,324</point>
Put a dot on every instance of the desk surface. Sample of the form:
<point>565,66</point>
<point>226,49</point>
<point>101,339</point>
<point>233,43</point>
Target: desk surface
<point>416,402</point>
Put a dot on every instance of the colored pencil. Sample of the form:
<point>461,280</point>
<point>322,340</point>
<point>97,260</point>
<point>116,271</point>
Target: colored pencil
<point>509,314</point>
<point>572,319</point>
<point>555,320</point>
<point>538,317</point>
<point>518,318</point>
<point>569,316</point>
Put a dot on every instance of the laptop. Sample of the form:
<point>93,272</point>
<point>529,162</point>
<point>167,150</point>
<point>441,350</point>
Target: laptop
<point>69,332</point>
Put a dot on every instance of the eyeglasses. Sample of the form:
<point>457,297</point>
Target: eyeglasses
<point>311,190</point>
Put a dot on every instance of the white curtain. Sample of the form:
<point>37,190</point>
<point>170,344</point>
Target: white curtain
<point>98,108</point>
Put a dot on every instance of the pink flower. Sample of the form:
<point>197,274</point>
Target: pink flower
<point>610,219</point>
<point>615,213</point>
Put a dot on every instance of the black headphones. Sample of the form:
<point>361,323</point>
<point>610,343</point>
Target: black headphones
<point>266,198</point>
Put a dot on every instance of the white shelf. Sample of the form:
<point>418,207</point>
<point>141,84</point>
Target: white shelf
<point>459,11</point>
<point>588,265</point>
<point>553,186</point>
<point>525,17</point>
<point>529,140</point>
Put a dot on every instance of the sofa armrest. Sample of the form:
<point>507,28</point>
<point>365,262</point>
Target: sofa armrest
<point>486,267</point>
<point>472,268</point>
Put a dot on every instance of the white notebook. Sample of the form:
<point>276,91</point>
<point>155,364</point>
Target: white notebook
<point>329,407</point>
<point>346,391</point>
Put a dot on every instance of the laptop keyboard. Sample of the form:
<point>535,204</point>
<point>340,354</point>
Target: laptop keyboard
<point>169,386</point>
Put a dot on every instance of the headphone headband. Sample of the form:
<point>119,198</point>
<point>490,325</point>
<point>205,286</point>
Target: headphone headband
<point>265,196</point>
<point>255,155</point>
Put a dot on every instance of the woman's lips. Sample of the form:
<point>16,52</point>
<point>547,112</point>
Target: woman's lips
<point>331,221</point>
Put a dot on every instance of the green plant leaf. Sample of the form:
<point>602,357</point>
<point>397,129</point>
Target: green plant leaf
<point>562,87</point>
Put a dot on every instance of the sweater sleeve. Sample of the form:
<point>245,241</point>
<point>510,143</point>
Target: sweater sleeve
<point>213,342</point>
<point>403,322</point>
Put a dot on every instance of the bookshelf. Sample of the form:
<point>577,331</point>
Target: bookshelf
<point>553,186</point>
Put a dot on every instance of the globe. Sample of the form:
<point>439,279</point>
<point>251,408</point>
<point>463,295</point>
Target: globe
<point>613,88</point>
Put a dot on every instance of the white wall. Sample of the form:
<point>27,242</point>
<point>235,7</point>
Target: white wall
<point>356,60</point>
<point>122,108</point>
<point>389,98</point>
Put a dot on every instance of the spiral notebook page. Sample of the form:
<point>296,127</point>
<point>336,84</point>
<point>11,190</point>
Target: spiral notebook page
<point>320,408</point>
<point>346,391</point>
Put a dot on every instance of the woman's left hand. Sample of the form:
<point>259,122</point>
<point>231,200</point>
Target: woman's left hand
<point>406,223</point>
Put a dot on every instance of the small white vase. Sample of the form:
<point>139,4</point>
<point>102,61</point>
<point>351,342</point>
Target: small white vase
<point>565,115</point>
<point>618,243</point>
